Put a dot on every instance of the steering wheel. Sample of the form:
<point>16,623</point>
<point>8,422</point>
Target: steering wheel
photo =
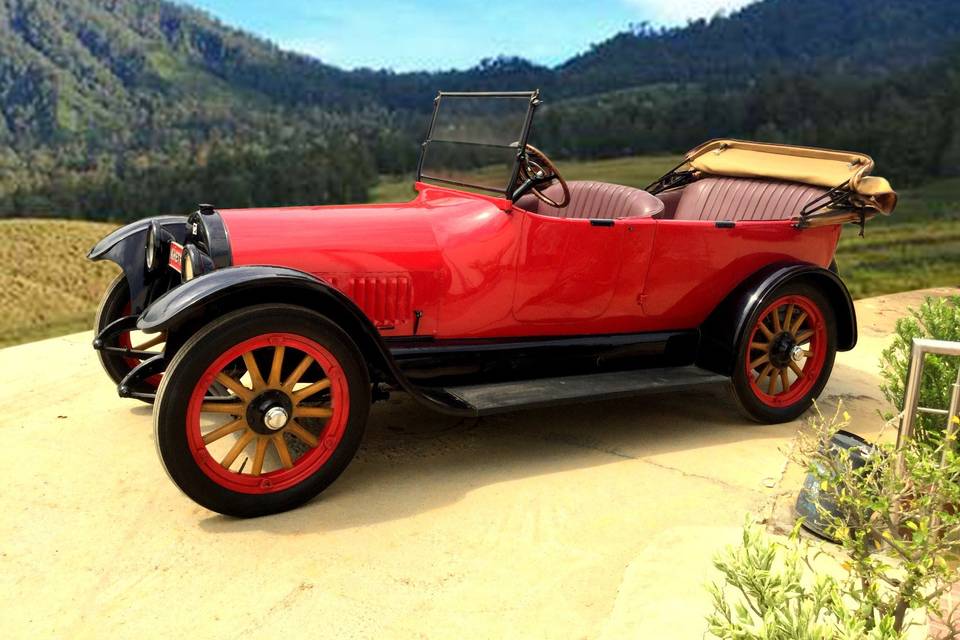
<point>540,171</point>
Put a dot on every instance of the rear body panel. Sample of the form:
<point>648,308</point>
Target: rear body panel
<point>696,264</point>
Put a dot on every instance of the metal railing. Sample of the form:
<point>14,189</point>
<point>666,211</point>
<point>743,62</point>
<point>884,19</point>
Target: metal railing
<point>911,396</point>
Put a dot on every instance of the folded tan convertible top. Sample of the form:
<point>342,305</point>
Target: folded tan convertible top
<point>808,165</point>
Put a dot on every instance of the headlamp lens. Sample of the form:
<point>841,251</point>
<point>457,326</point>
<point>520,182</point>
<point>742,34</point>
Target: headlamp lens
<point>152,248</point>
<point>188,272</point>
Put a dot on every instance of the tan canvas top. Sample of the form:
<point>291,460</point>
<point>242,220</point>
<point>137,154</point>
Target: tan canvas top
<point>808,165</point>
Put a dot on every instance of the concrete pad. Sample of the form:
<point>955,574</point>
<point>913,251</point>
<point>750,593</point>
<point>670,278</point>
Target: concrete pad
<point>596,520</point>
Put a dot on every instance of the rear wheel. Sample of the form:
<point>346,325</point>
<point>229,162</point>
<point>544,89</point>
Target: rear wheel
<point>786,355</point>
<point>292,416</point>
<point>114,305</point>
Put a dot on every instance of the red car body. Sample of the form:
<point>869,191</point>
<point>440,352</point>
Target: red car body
<point>480,267</point>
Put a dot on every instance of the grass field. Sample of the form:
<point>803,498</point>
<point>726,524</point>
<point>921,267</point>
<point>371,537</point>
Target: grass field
<point>634,172</point>
<point>916,247</point>
<point>48,288</point>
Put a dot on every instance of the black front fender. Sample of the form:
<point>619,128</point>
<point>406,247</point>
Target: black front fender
<point>183,310</point>
<point>212,292</point>
<point>722,331</point>
<point>126,246</point>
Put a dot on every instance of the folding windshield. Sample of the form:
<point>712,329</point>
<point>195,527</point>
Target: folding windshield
<point>474,140</point>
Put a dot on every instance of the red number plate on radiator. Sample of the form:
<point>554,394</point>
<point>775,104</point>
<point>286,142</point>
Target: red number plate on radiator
<point>176,257</point>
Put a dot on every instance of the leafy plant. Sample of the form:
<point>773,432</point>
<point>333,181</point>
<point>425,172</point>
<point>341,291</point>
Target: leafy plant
<point>897,523</point>
<point>769,594</point>
<point>937,318</point>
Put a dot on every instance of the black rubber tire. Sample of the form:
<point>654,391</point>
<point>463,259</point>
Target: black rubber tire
<point>751,406</point>
<point>113,304</point>
<point>196,355</point>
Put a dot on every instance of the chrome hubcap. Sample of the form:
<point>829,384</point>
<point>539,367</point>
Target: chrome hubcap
<point>276,418</point>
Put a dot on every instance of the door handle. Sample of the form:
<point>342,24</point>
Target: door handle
<point>601,222</point>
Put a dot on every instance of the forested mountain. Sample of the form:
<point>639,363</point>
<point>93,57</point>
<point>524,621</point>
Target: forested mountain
<point>120,108</point>
<point>853,37</point>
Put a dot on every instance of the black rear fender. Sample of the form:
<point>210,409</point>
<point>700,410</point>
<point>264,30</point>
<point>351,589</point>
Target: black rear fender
<point>721,332</point>
<point>127,247</point>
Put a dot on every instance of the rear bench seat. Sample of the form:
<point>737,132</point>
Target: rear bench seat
<point>716,198</point>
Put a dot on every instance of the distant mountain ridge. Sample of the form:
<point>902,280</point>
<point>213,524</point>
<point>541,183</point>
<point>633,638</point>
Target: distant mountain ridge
<point>67,66</point>
<point>113,107</point>
<point>859,37</point>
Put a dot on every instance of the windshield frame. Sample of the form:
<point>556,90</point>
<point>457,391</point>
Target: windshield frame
<point>508,189</point>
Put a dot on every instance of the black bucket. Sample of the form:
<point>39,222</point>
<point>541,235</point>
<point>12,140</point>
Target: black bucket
<point>811,495</point>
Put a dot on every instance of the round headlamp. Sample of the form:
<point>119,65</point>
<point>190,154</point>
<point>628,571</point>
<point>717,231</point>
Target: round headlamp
<point>195,262</point>
<point>187,266</point>
<point>153,246</point>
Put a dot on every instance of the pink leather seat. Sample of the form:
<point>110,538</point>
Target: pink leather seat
<point>590,199</point>
<point>716,198</point>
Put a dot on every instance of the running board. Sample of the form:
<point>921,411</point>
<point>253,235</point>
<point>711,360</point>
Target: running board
<point>500,397</point>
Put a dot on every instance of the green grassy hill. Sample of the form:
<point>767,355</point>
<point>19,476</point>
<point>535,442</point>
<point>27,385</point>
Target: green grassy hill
<point>638,171</point>
<point>48,288</point>
<point>918,246</point>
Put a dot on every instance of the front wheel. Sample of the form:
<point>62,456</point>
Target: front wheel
<point>261,410</point>
<point>786,355</point>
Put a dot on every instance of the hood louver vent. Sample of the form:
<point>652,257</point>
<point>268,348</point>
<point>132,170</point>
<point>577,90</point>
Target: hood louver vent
<point>385,299</point>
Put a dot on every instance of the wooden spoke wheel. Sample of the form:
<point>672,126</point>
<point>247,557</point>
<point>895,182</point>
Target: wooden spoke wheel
<point>261,410</point>
<point>787,355</point>
<point>274,427</point>
<point>114,305</point>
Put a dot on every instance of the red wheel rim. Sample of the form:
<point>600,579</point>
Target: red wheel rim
<point>124,342</point>
<point>316,398</point>
<point>786,351</point>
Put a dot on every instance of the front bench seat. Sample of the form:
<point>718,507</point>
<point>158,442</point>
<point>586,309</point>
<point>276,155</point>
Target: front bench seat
<point>589,199</point>
<point>717,198</point>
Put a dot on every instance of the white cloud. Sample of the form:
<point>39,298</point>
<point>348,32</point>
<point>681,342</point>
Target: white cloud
<point>677,12</point>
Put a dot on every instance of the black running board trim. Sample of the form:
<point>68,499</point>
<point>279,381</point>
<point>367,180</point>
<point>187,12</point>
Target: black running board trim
<point>501,397</point>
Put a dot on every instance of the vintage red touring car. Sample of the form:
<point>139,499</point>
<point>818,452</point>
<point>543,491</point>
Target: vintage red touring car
<point>264,335</point>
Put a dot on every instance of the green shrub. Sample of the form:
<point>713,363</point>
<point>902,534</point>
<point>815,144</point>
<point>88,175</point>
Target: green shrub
<point>770,593</point>
<point>896,518</point>
<point>937,318</point>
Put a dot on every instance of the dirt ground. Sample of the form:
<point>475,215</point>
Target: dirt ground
<point>592,521</point>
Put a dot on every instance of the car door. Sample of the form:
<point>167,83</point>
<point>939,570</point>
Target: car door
<point>567,268</point>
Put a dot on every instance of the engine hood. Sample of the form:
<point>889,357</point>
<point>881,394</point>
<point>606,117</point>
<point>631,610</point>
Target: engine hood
<point>324,240</point>
<point>353,238</point>
<point>391,259</point>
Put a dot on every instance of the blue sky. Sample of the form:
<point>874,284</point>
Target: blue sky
<point>407,35</point>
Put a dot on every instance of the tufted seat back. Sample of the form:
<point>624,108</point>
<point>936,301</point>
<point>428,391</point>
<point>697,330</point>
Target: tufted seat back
<point>590,199</point>
<point>716,198</point>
